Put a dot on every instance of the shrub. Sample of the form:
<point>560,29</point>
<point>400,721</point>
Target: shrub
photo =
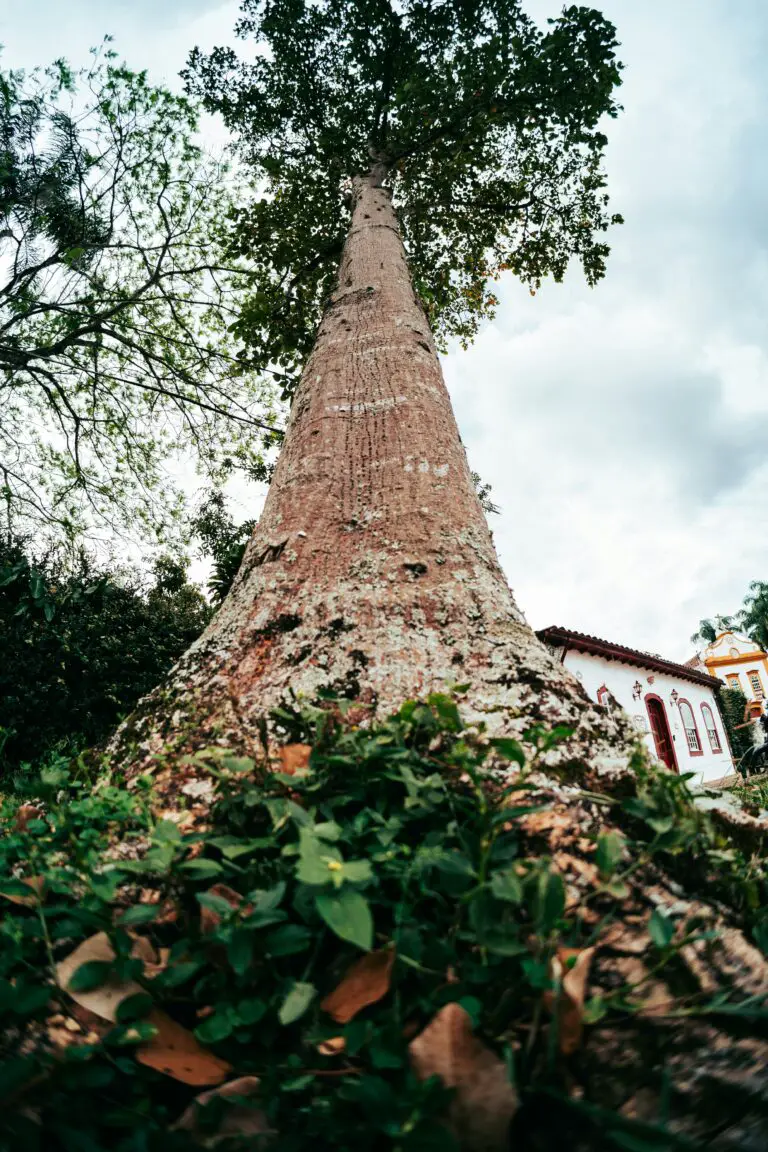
<point>346,935</point>
<point>80,646</point>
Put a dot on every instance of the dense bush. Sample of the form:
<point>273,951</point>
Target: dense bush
<point>356,936</point>
<point>733,708</point>
<point>80,646</point>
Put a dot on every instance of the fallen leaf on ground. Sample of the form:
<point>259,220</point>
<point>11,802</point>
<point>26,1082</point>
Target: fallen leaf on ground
<point>365,983</point>
<point>154,960</point>
<point>294,758</point>
<point>573,989</point>
<point>484,1101</point>
<point>105,1000</point>
<point>209,918</point>
<point>237,1120</point>
<point>177,1053</point>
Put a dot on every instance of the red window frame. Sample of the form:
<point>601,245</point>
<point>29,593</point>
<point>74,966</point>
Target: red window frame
<point>711,728</point>
<point>698,750</point>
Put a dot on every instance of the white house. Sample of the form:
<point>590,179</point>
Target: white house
<point>673,705</point>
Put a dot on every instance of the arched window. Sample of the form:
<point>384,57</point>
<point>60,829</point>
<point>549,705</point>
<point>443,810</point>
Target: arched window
<point>709,724</point>
<point>691,731</point>
<point>603,696</point>
<point>756,684</point>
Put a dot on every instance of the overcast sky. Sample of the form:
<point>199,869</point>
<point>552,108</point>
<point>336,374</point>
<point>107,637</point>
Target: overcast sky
<point>624,428</point>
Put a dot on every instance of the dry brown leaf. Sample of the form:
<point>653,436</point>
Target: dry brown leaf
<point>103,1001</point>
<point>333,1046</point>
<point>294,758</point>
<point>365,983</point>
<point>209,919</point>
<point>176,1052</point>
<point>556,824</point>
<point>484,1101</point>
<point>237,1120</point>
<point>573,989</point>
<point>36,883</point>
<point>24,814</point>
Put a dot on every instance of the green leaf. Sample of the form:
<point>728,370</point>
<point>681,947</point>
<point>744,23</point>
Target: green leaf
<point>509,749</point>
<point>506,886</point>
<point>240,952</point>
<point>288,940</point>
<point>202,869</point>
<point>356,871</point>
<point>347,913</point>
<point>215,1028</point>
<point>133,1007</point>
<point>610,847</point>
<point>660,928</point>
<point>296,1002</point>
<point>139,914</point>
<point>90,975</point>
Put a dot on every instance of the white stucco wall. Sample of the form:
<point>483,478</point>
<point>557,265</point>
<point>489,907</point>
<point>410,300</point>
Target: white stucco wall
<point>620,679</point>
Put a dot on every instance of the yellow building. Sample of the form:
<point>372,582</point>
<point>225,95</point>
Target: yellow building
<point>739,663</point>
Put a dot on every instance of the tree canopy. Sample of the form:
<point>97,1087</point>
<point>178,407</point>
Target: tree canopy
<point>115,304</point>
<point>489,130</point>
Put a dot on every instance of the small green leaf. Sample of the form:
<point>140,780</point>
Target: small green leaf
<point>90,975</point>
<point>347,913</point>
<point>660,928</point>
<point>139,914</point>
<point>296,1002</point>
<point>215,1028</point>
<point>356,871</point>
<point>506,886</point>
<point>509,749</point>
<point>202,869</point>
<point>610,847</point>
<point>133,1007</point>
<point>240,952</point>
<point>288,940</point>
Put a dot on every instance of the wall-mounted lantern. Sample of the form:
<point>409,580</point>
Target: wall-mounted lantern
<point>637,690</point>
<point>674,695</point>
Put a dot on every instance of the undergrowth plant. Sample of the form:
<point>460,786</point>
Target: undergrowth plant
<point>299,942</point>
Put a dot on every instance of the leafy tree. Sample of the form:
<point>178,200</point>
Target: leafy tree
<point>81,646</point>
<point>115,305</point>
<point>487,129</point>
<point>709,630</point>
<point>753,616</point>
<point>223,540</point>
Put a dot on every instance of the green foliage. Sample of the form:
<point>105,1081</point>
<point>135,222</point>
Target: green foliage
<point>733,709</point>
<point>223,540</point>
<point>80,646</point>
<point>404,836</point>
<point>115,302</point>
<point>486,127</point>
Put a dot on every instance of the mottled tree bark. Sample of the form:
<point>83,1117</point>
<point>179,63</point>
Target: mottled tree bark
<point>372,570</point>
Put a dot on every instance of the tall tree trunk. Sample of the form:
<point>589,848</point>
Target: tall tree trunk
<point>372,570</point>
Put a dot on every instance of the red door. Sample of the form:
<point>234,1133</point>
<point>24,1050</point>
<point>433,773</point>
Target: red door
<point>662,737</point>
